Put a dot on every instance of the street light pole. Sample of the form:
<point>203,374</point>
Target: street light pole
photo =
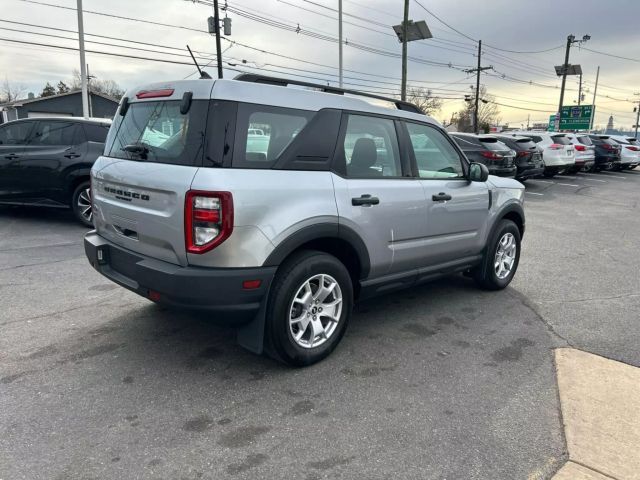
<point>83,64</point>
<point>637,115</point>
<point>405,22</point>
<point>580,91</point>
<point>593,104</point>
<point>476,127</point>
<point>216,19</point>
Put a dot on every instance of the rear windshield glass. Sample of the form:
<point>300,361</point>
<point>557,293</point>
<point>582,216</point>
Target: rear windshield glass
<point>610,141</point>
<point>526,144</point>
<point>633,141</point>
<point>585,140</point>
<point>493,144</point>
<point>466,142</point>
<point>621,141</point>
<point>157,132</point>
<point>561,139</point>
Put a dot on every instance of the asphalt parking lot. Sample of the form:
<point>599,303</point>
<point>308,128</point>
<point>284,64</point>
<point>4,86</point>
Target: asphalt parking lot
<point>440,382</point>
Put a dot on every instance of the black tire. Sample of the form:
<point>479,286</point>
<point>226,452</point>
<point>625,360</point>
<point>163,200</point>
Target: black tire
<point>290,277</point>
<point>485,274</point>
<point>78,198</point>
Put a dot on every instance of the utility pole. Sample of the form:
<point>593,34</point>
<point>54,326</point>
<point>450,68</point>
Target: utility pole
<point>637,115</point>
<point>83,65</point>
<point>528,117</point>
<point>340,41</point>
<point>89,77</point>
<point>580,91</point>
<point>216,21</point>
<point>478,71</point>
<point>565,66</point>
<point>593,104</point>
<point>405,24</point>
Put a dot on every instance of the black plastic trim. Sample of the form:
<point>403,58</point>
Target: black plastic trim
<point>318,232</point>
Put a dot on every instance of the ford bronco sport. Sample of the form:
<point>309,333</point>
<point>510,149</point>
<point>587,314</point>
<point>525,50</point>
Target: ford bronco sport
<point>333,200</point>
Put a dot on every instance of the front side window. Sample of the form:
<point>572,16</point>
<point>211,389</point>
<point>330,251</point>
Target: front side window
<point>158,132</point>
<point>371,148</point>
<point>53,134</point>
<point>265,132</point>
<point>435,156</point>
<point>15,133</point>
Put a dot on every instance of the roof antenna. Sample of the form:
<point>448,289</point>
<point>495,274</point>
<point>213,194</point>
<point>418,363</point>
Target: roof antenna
<point>203,75</point>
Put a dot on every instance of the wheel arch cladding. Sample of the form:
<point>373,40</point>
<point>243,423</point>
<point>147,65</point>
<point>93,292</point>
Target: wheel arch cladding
<point>515,213</point>
<point>337,240</point>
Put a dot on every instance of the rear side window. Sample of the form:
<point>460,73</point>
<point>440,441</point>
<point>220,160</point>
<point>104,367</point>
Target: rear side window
<point>371,148</point>
<point>15,133</point>
<point>561,139</point>
<point>96,133</point>
<point>158,132</point>
<point>263,133</point>
<point>53,133</point>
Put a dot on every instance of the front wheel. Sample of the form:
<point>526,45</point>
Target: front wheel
<point>501,257</point>
<point>309,308</point>
<point>81,204</point>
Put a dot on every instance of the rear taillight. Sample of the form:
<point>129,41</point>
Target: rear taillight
<point>491,155</point>
<point>556,146</point>
<point>208,219</point>
<point>580,148</point>
<point>632,148</point>
<point>522,153</point>
<point>606,146</point>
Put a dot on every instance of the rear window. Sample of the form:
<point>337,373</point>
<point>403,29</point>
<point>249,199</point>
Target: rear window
<point>621,141</point>
<point>493,144</point>
<point>526,143</point>
<point>561,139</point>
<point>585,140</point>
<point>466,142</point>
<point>633,141</point>
<point>157,132</point>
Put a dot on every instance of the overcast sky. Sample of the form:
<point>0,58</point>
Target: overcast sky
<point>517,25</point>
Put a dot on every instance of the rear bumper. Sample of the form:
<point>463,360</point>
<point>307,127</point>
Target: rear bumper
<point>529,171</point>
<point>215,290</point>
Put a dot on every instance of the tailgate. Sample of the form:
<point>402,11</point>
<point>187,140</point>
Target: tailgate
<point>140,206</point>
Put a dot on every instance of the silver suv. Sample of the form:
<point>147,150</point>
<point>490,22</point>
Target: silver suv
<point>278,207</point>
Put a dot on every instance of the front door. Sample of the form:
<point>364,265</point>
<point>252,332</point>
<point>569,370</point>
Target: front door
<point>457,210</point>
<point>377,196</point>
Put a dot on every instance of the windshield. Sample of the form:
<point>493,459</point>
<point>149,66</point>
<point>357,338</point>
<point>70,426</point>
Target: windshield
<point>158,132</point>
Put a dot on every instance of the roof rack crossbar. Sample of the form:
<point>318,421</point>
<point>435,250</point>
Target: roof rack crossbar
<point>283,82</point>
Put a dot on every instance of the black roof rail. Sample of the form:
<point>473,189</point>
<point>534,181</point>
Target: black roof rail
<point>283,82</point>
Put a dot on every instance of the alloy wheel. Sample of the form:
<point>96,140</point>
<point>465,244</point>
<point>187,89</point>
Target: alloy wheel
<point>505,256</point>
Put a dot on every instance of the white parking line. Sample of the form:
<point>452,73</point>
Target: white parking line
<point>534,193</point>
<point>541,181</point>
<point>614,175</point>
<point>567,184</point>
<point>567,176</point>
<point>587,179</point>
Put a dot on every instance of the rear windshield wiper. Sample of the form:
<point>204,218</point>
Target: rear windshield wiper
<point>140,149</point>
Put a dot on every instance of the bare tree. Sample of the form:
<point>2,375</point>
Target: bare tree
<point>10,92</point>
<point>107,87</point>
<point>488,113</point>
<point>423,98</point>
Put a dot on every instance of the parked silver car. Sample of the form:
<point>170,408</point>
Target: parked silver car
<point>345,200</point>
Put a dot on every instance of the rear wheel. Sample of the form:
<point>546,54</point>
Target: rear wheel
<point>309,308</point>
<point>501,257</point>
<point>81,204</point>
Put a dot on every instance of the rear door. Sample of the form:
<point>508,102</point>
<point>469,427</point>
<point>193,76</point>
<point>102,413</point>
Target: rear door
<point>151,156</point>
<point>13,137</point>
<point>52,146</point>
<point>457,209</point>
<point>377,195</point>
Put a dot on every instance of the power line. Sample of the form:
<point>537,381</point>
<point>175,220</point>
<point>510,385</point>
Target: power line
<point>443,22</point>
<point>611,55</point>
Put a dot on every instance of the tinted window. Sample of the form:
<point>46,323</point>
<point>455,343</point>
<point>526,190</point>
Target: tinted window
<point>633,141</point>
<point>585,140</point>
<point>525,144</point>
<point>15,133</point>
<point>561,139</point>
<point>96,133</point>
<point>435,156</point>
<point>493,144</point>
<point>53,133</point>
<point>466,142</point>
<point>371,148</point>
<point>160,132</point>
<point>621,141</point>
<point>536,138</point>
<point>263,133</point>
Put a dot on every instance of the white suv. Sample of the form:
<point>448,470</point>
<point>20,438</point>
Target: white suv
<point>558,152</point>
<point>630,151</point>
<point>585,151</point>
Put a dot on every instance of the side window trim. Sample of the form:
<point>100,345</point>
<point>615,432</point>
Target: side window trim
<point>464,162</point>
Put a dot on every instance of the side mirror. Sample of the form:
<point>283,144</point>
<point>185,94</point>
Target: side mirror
<point>478,172</point>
